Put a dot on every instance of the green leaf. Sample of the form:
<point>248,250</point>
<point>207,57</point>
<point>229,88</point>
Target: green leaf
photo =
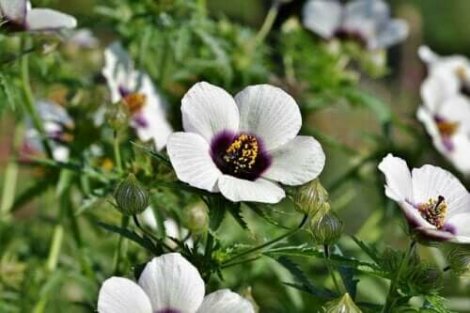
<point>144,242</point>
<point>217,208</point>
<point>370,251</point>
<point>377,106</point>
<point>235,210</point>
<point>302,279</point>
<point>154,154</point>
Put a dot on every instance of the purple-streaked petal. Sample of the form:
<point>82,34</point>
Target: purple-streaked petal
<point>297,162</point>
<point>460,224</point>
<point>121,295</point>
<point>172,284</point>
<point>118,71</point>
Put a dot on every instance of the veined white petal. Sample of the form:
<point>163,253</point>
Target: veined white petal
<point>429,182</point>
<point>190,156</point>
<point>14,10</point>
<point>460,224</point>
<point>398,178</point>
<point>47,19</point>
<point>260,190</point>
<point>413,216</point>
<point>118,70</point>
<point>323,17</point>
<point>208,110</point>
<point>225,301</point>
<point>457,109</point>
<point>171,282</point>
<point>269,113</point>
<point>297,162</point>
<point>459,156</point>
<point>435,89</point>
<point>121,295</point>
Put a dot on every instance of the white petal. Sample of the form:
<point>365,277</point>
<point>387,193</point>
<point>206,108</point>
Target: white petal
<point>393,32</point>
<point>225,301</point>
<point>457,109</point>
<point>47,19</point>
<point>171,282</point>
<point>14,10</point>
<point>459,156</point>
<point>260,190</point>
<point>208,110</point>
<point>297,162</point>
<point>398,178</point>
<point>121,295</point>
<point>429,182</point>
<point>149,219</point>
<point>270,113</point>
<point>190,156</point>
<point>323,17</point>
<point>460,225</point>
<point>435,89</point>
<point>117,70</point>
<point>427,55</point>
<point>60,153</point>
<point>158,128</point>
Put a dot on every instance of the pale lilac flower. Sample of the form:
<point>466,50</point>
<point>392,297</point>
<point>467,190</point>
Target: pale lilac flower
<point>243,146</point>
<point>136,90</point>
<point>445,111</point>
<point>18,15</point>
<point>168,284</point>
<point>366,21</point>
<point>57,126</point>
<point>435,203</point>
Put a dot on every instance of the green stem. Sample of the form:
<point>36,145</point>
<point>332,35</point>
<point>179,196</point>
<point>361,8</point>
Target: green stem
<point>267,24</point>
<point>120,248</point>
<point>331,271</point>
<point>117,152</point>
<point>29,102</point>
<point>152,236</point>
<point>56,245</point>
<point>390,301</point>
<point>269,243</point>
<point>202,6</point>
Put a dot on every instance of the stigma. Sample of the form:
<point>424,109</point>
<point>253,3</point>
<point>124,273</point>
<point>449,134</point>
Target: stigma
<point>434,211</point>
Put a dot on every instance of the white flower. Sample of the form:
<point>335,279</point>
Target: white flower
<point>367,21</point>
<point>435,203</point>
<point>136,90</point>
<point>83,38</point>
<point>242,146</point>
<point>18,16</point>
<point>168,284</point>
<point>57,126</point>
<point>447,76</point>
<point>445,112</point>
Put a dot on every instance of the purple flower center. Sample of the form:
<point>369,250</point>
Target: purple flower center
<point>447,129</point>
<point>241,155</point>
<point>344,34</point>
<point>168,311</point>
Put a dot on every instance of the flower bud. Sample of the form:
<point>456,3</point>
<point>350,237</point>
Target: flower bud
<point>342,305</point>
<point>424,279</point>
<point>311,197</point>
<point>131,197</point>
<point>459,259</point>
<point>116,116</point>
<point>196,217</point>
<point>326,229</point>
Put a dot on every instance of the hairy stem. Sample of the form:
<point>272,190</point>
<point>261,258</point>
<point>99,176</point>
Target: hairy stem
<point>120,250</point>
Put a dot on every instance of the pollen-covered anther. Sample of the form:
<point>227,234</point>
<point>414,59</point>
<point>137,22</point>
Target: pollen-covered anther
<point>242,153</point>
<point>134,102</point>
<point>447,128</point>
<point>434,211</point>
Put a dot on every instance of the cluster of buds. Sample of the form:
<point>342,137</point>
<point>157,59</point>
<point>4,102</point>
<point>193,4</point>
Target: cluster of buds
<point>312,199</point>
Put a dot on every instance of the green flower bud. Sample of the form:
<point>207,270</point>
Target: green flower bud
<point>342,305</point>
<point>459,259</point>
<point>131,196</point>
<point>326,229</point>
<point>196,217</point>
<point>311,198</point>
<point>116,116</point>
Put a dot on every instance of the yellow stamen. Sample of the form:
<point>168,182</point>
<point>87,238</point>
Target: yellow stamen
<point>242,153</point>
<point>434,211</point>
<point>134,102</point>
<point>447,128</point>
